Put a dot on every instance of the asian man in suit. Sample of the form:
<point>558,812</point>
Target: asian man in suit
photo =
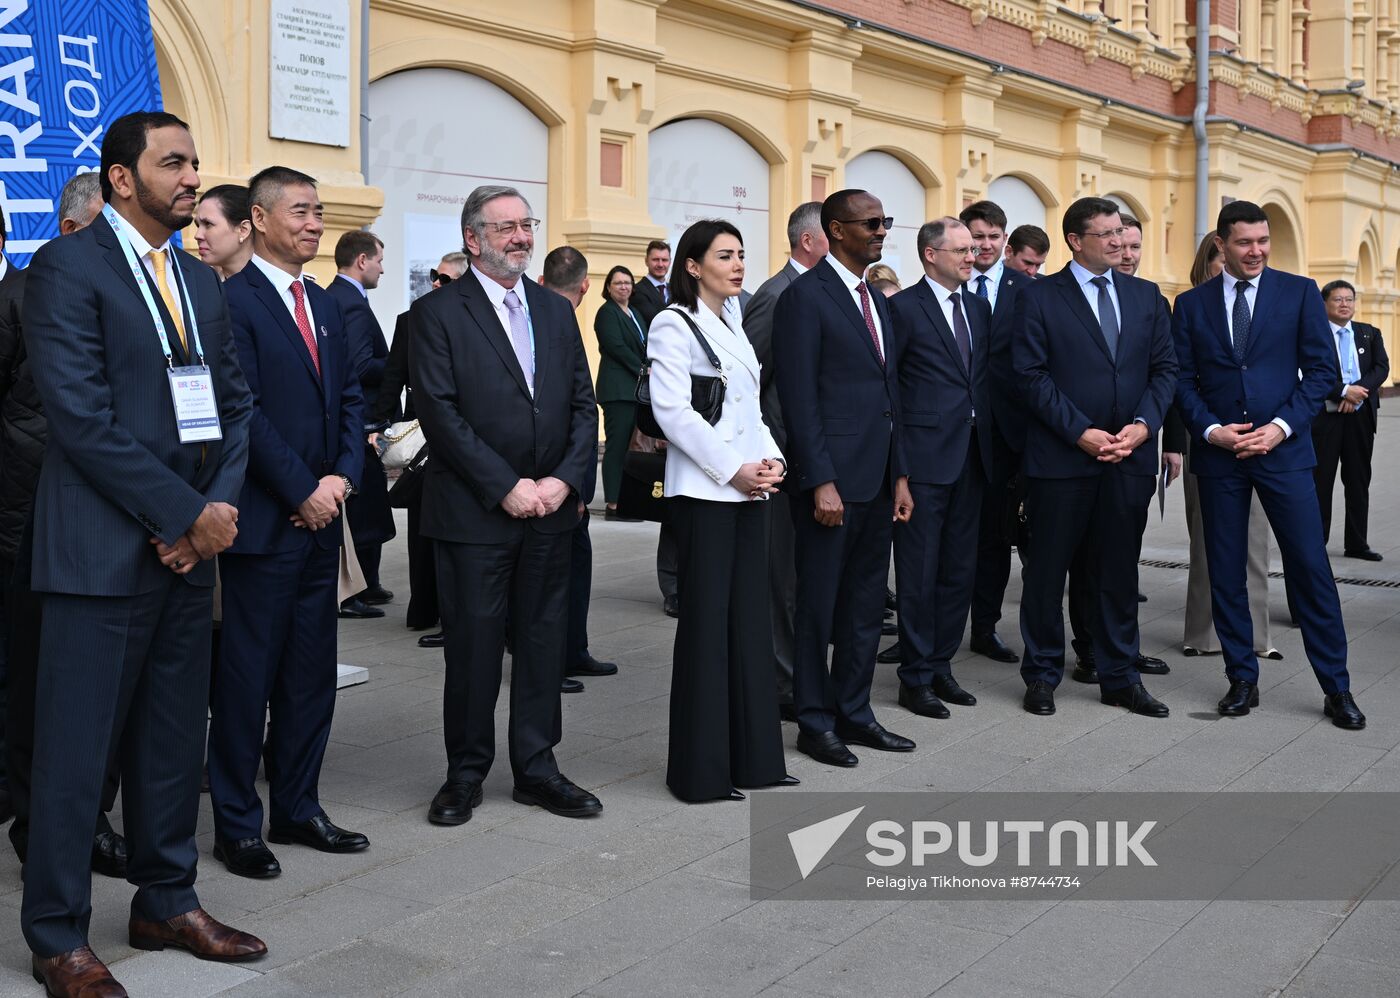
<point>1092,351</point>
<point>942,343</point>
<point>1258,360</point>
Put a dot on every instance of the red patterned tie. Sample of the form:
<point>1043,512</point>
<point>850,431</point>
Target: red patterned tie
<point>864,293</point>
<point>304,324</point>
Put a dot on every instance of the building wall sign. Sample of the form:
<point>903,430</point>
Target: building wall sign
<point>309,66</point>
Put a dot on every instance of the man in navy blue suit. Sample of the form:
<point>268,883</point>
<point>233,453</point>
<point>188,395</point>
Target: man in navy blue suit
<point>1092,351</point>
<point>942,341</point>
<point>1257,362</point>
<point>834,358</point>
<point>280,576</point>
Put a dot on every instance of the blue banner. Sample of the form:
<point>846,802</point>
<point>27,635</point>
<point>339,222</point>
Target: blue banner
<point>67,69</point>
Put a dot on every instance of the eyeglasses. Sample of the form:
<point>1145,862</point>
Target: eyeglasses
<point>439,278</point>
<point>970,251</point>
<point>873,224</point>
<point>1342,301</point>
<point>1106,233</point>
<point>507,228</point>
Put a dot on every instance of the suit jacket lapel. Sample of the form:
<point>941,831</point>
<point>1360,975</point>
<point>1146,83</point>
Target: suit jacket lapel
<point>1213,294</point>
<point>1073,294</point>
<point>1264,301</point>
<point>836,288</point>
<point>479,308</point>
<point>934,310</point>
<point>726,340</point>
<point>277,309</point>
<point>539,332</point>
<point>116,257</point>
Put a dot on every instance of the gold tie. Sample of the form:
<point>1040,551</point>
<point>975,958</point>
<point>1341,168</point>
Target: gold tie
<point>158,261</point>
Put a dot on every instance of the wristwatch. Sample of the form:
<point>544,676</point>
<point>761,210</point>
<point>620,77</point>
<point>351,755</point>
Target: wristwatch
<point>349,485</point>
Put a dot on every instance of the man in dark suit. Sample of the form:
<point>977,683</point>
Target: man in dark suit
<point>1092,351</point>
<point>1257,361</point>
<point>941,348</point>
<point>277,654</point>
<point>503,390</point>
<point>807,245</point>
<point>131,507</point>
<point>1345,431</point>
<point>651,295</point>
<point>359,261</point>
<point>838,383</point>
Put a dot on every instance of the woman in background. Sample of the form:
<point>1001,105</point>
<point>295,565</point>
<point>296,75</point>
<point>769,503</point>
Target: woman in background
<point>622,348</point>
<point>223,229</point>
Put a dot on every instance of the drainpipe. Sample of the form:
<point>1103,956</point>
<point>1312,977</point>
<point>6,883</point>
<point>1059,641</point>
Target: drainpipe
<point>1198,119</point>
<point>364,91</point>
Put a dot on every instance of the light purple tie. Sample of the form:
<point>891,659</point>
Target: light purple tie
<point>520,338</point>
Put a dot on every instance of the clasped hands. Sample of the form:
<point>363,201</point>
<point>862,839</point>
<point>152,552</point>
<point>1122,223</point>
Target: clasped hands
<point>1246,441</point>
<point>535,498</point>
<point>322,506</point>
<point>1110,448</point>
<point>209,535</point>
<point>1352,398</point>
<point>758,478</point>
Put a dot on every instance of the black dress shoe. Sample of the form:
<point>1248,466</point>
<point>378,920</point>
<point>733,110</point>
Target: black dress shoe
<point>247,858</point>
<point>319,833</point>
<point>1136,699</point>
<point>947,688</point>
<point>990,645</point>
<point>1342,709</point>
<point>889,614</point>
<point>888,629</point>
<point>435,640</point>
<point>891,600</point>
<point>109,854</point>
<point>671,605</point>
<point>558,795</point>
<point>376,596</point>
<point>827,748</point>
<point>873,735</point>
<point>567,685</point>
<point>1367,555</point>
<point>612,514</point>
<point>453,803</point>
<point>1085,672</point>
<point>357,609</point>
<point>1039,698</point>
<point>787,712</point>
<point>1239,699</point>
<point>590,666</point>
<point>1142,598</point>
<point>890,655</point>
<point>1152,666</point>
<point>922,701</point>
<point>1190,652</point>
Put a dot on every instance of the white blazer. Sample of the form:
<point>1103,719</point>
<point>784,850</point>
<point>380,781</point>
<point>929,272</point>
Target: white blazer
<point>701,459</point>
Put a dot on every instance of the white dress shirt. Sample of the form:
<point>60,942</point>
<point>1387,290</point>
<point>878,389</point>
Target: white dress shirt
<point>993,275</point>
<point>143,252</point>
<point>496,294</point>
<point>795,266</point>
<point>1251,297</point>
<point>283,281</point>
<point>851,280</point>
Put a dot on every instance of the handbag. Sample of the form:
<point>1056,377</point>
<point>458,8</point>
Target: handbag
<point>405,441</point>
<point>706,393</point>
<point>408,487</point>
<point>642,491</point>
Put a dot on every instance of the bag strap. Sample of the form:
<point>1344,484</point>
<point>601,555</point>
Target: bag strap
<point>704,343</point>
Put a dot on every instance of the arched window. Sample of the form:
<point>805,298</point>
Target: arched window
<point>1019,200</point>
<point>904,197</point>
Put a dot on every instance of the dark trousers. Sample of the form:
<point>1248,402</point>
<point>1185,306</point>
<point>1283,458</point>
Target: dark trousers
<point>935,563</point>
<point>619,420</point>
<point>580,592</point>
<point>725,730</point>
<point>369,556</point>
<point>782,590</point>
<point>133,669</point>
<point>1105,515</point>
<point>1289,499</point>
<point>1082,587</point>
<point>1001,500</point>
<point>422,574</point>
<point>276,662</point>
<point>841,576</point>
<point>1347,439</point>
<point>527,578</point>
<point>667,561</point>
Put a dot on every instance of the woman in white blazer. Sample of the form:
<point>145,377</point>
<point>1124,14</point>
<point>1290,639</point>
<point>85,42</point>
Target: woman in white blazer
<point>724,705</point>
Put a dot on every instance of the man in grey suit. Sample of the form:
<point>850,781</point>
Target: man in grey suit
<point>135,499</point>
<point>808,245</point>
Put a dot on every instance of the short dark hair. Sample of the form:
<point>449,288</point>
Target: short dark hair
<point>1246,212</point>
<point>1331,286</point>
<point>837,206</point>
<point>351,244</point>
<point>1129,221</point>
<point>694,243</point>
<point>125,141</point>
<point>232,200</point>
<point>657,244</point>
<point>804,218</point>
<point>1031,237</point>
<point>564,269</point>
<point>932,233</point>
<point>266,187</point>
<point>984,211</point>
<point>1081,212</point>
<point>607,281</point>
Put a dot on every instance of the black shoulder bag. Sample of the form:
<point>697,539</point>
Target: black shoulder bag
<point>706,393</point>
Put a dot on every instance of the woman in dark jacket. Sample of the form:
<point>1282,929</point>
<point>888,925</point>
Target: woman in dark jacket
<point>622,343</point>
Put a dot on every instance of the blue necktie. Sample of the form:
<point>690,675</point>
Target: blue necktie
<point>1108,318</point>
<point>1239,319</point>
<point>982,287</point>
<point>1350,374</point>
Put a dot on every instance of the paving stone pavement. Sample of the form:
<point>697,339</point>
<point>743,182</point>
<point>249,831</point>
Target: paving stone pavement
<point>651,898</point>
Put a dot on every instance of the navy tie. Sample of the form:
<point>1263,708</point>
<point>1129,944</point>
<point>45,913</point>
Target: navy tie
<point>1239,319</point>
<point>982,287</point>
<point>1108,318</point>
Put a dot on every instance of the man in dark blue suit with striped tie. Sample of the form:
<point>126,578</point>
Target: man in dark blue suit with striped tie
<point>1257,361</point>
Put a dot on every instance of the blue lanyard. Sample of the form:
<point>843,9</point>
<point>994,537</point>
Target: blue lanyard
<point>138,272</point>
<point>640,332</point>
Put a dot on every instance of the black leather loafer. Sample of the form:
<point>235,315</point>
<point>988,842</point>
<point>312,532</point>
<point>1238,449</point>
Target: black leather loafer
<point>376,596</point>
<point>890,656</point>
<point>1084,672</point>
<point>1239,699</point>
<point>319,833</point>
<point>873,735</point>
<point>990,645</point>
<point>826,747</point>
<point>435,640</point>
<point>1136,699</point>
<point>357,609</point>
<point>947,689</point>
<point>558,795</point>
<point>1039,698</point>
<point>1342,709</point>
<point>109,854</point>
<point>922,701</point>
<point>590,666</point>
<point>567,685</point>
<point>1367,555</point>
<point>1152,666</point>
<point>454,802</point>
<point>248,858</point>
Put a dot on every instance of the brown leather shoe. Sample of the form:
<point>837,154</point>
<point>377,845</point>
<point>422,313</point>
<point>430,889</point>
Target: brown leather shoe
<point>198,933</point>
<point>76,974</point>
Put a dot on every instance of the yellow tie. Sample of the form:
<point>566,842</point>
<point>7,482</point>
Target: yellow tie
<point>158,261</point>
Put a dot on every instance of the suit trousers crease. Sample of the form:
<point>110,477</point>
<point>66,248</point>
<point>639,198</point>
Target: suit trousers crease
<point>1199,629</point>
<point>619,420</point>
<point>580,592</point>
<point>135,670</point>
<point>1348,439</point>
<point>524,580</point>
<point>277,659</point>
<point>999,504</point>
<point>1289,499</point>
<point>1105,514</point>
<point>841,576</point>
<point>782,590</point>
<point>725,730</point>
